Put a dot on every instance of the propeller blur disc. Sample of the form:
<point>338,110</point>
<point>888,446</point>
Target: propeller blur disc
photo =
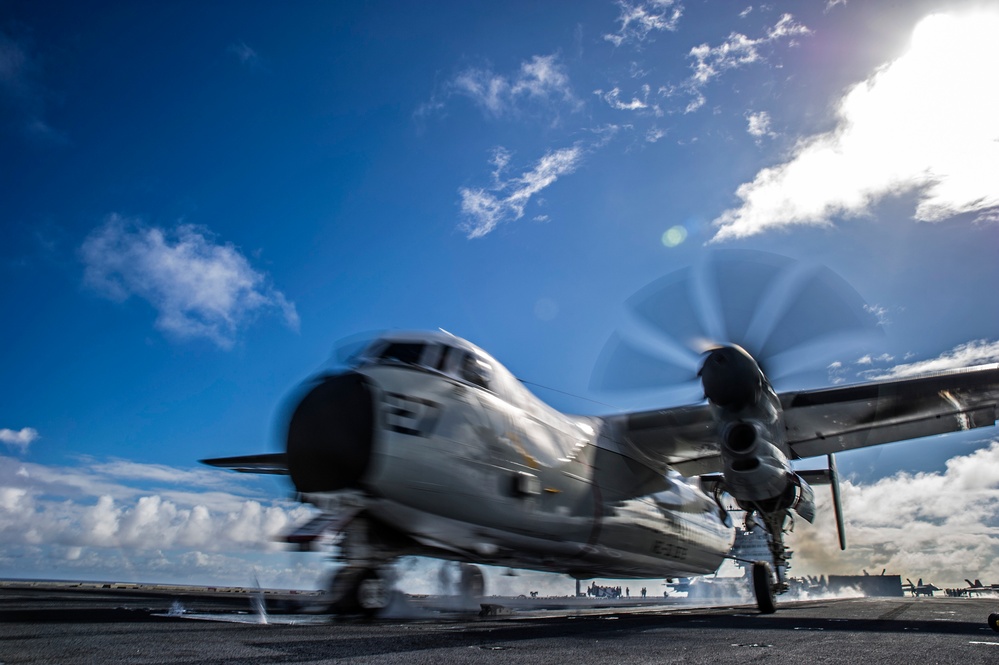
<point>791,316</point>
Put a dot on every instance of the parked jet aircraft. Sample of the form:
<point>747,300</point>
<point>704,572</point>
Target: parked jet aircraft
<point>920,589</point>
<point>974,588</point>
<point>426,445</point>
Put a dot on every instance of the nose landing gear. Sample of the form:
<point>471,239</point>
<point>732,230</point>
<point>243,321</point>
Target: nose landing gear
<point>360,590</point>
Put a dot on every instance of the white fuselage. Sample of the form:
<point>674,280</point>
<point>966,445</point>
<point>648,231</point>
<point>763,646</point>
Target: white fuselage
<point>490,474</point>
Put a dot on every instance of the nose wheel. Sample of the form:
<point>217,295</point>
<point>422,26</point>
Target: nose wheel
<point>363,591</point>
<point>473,583</point>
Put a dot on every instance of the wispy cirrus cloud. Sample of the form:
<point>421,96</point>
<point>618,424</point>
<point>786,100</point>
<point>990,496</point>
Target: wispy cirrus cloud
<point>22,96</point>
<point>485,209</point>
<point>639,102</point>
<point>244,54</point>
<point>976,352</point>
<point>639,21</point>
<point>541,82</point>
<point>738,50</point>
<point>20,439</point>
<point>926,124</point>
<point>199,287</point>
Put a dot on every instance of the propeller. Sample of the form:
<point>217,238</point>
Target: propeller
<point>789,316</point>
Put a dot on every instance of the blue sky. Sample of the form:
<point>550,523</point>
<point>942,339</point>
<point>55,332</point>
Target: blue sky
<point>199,199</point>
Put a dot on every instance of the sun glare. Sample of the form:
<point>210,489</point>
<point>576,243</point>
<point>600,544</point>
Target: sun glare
<point>926,122</point>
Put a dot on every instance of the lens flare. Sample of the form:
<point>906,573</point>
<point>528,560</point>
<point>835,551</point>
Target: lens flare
<point>675,236</point>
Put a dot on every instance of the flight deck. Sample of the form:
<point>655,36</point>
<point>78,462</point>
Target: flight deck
<point>46,625</point>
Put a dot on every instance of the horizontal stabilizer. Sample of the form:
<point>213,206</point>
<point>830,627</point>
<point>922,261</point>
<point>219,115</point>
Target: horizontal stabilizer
<point>270,463</point>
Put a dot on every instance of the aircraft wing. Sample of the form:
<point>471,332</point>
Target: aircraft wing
<point>271,463</point>
<point>836,419</point>
<point>830,420</point>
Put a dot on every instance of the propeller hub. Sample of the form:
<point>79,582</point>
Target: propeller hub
<point>731,378</point>
<point>330,435</point>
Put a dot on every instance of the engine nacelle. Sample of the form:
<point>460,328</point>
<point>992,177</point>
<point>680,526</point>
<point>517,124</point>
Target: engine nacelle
<point>758,474</point>
<point>755,470</point>
<point>751,424</point>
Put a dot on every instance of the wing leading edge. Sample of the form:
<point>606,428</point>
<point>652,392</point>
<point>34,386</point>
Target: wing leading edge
<point>830,420</point>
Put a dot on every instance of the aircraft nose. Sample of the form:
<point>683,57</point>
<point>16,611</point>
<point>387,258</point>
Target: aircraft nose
<point>330,435</point>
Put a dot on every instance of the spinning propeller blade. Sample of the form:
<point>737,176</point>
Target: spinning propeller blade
<point>790,316</point>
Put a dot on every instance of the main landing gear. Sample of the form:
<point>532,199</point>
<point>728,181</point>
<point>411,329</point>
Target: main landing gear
<point>763,588</point>
<point>769,582</point>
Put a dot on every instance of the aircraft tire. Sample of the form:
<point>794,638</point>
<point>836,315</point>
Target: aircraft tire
<point>372,592</point>
<point>763,588</point>
<point>355,590</point>
<point>342,590</point>
<point>994,621</point>
<point>473,582</point>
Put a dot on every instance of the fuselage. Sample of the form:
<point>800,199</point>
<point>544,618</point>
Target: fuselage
<point>468,464</point>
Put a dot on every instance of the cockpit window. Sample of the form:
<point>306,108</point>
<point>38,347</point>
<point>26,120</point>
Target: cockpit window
<point>403,352</point>
<point>474,370</point>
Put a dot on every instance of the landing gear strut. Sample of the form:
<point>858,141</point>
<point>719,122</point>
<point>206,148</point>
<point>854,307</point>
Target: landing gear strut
<point>769,582</point>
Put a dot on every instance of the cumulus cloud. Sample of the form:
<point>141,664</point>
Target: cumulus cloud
<point>737,51</point>
<point>939,526</point>
<point>505,201</point>
<point>640,20</point>
<point>541,80</point>
<point>199,288</point>
<point>117,507</point>
<point>926,124</point>
<point>21,438</point>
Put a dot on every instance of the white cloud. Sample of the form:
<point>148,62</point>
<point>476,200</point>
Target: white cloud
<point>642,19</point>
<point>485,209</point>
<point>939,526</point>
<point>199,288</point>
<point>613,99</point>
<point>542,79</point>
<point>759,125</point>
<point>926,124</point>
<point>89,513</point>
<point>735,52</point>
<point>21,438</point>
<point>244,54</point>
<point>977,352</point>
